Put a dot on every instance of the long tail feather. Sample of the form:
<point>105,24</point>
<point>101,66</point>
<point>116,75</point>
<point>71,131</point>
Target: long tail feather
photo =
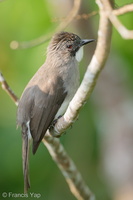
<point>25,157</point>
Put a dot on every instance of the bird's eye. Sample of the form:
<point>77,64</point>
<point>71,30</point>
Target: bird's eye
<point>69,46</point>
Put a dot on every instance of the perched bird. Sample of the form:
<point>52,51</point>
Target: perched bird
<point>48,93</point>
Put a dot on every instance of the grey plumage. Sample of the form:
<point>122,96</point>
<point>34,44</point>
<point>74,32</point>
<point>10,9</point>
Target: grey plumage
<point>48,93</point>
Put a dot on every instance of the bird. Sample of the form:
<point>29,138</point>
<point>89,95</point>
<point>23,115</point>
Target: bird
<point>49,92</point>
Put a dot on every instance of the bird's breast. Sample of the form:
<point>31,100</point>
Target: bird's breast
<point>70,83</point>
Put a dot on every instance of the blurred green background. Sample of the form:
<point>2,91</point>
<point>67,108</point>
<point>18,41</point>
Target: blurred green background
<point>26,20</point>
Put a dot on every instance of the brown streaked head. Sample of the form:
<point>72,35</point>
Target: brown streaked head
<point>67,43</point>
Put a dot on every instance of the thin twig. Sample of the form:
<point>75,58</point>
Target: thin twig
<point>123,10</point>
<point>123,31</point>
<point>28,44</point>
<point>86,16</point>
<point>79,17</point>
<point>8,90</point>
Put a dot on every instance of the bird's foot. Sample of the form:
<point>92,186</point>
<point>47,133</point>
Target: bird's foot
<point>54,122</point>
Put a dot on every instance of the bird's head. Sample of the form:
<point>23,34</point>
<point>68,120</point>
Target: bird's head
<point>67,45</point>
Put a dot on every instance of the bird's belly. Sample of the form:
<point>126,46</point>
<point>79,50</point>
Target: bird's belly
<point>63,108</point>
<point>64,105</point>
<point>71,86</point>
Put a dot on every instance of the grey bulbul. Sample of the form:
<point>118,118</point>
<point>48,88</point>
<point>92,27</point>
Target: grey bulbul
<point>48,93</point>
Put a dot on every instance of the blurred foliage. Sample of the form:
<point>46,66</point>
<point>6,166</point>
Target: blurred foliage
<point>23,21</point>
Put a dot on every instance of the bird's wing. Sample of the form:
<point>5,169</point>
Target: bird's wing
<point>39,107</point>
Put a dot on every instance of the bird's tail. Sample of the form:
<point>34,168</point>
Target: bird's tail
<point>25,157</point>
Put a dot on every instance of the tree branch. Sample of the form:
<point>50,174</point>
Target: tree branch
<point>28,44</point>
<point>123,10</point>
<point>123,31</point>
<point>8,90</point>
<point>73,177</point>
<point>84,16</point>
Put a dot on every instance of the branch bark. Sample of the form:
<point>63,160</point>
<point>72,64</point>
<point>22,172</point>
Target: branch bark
<point>72,176</point>
<point>8,90</point>
<point>123,31</point>
<point>84,16</point>
<point>123,10</point>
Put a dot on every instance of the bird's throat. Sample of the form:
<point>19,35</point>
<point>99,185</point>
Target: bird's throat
<point>79,54</point>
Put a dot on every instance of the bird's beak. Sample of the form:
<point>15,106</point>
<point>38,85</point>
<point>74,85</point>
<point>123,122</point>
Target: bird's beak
<point>86,41</point>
